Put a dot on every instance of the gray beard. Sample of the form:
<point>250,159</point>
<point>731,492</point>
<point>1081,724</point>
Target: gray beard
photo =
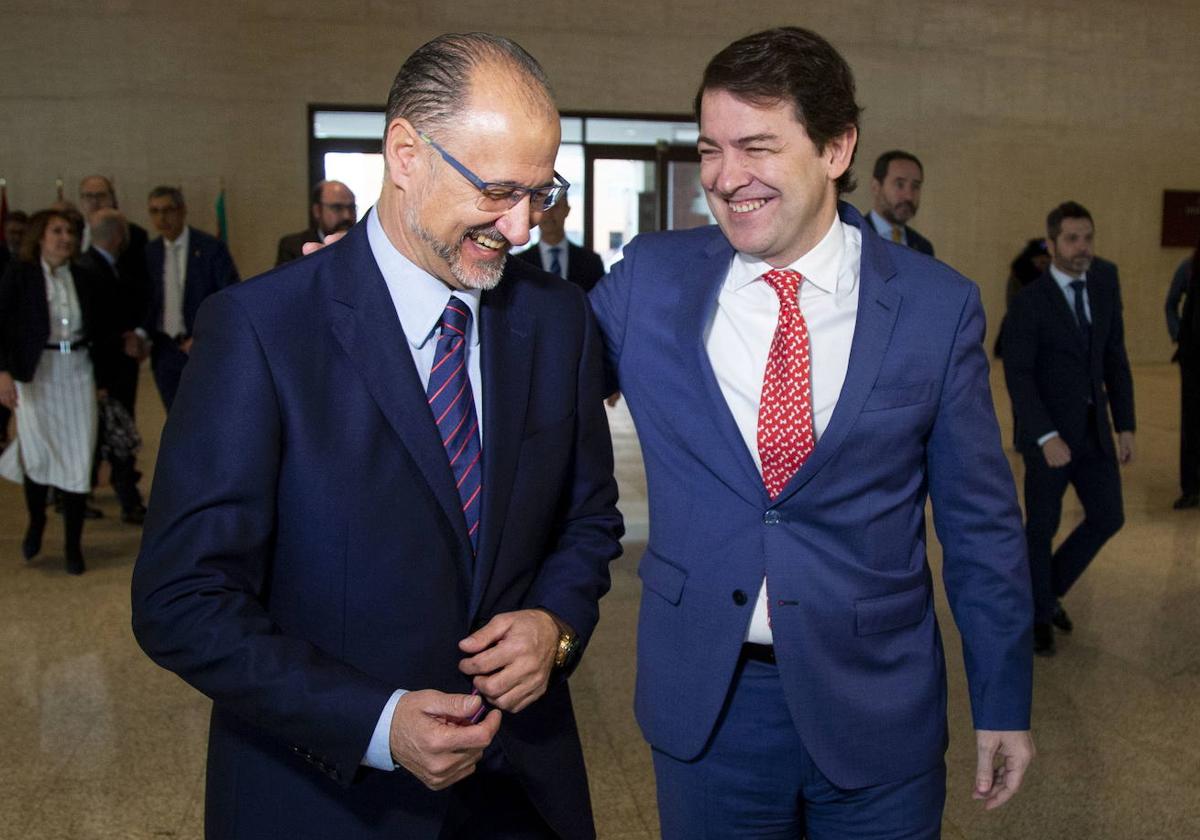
<point>482,279</point>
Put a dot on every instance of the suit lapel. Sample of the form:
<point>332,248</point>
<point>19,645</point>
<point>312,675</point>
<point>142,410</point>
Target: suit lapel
<point>1064,313</point>
<point>698,291</point>
<point>506,342</point>
<point>364,322</point>
<point>878,308</point>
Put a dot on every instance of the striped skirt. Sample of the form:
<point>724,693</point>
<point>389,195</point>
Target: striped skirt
<point>56,424</point>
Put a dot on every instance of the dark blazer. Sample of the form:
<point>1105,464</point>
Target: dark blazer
<point>25,321</point>
<point>584,267</point>
<point>291,246</point>
<point>123,300</point>
<point>135,278</point>
<point>858,648</point>
<point>306,554</point>
<point>1053,376</point>
<point>210,268</point>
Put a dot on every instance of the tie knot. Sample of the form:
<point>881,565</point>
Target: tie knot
<point>456,317</point>
<point>1077,285</point>
<point>786,284</point>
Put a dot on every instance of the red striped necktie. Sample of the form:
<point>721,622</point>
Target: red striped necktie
<point>453,406</point>
<point>785,420</point>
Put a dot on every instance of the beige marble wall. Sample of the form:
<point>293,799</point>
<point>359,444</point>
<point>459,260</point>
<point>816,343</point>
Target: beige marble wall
<point>1013,105</point>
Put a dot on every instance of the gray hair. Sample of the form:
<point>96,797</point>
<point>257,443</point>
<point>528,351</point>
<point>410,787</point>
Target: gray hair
<point>108,225</point>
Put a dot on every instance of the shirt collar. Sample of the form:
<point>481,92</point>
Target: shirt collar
<point>182,241</point>
<point>821,266</point>
<point>1061,277</point>
<point>419,297</point>
<point>561,247</point>
<point>108,258</point>
<point>883,227</point>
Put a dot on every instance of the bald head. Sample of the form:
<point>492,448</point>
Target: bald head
<point>110,231</point>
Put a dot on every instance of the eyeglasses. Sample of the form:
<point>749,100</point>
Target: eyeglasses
<point>496,197</point>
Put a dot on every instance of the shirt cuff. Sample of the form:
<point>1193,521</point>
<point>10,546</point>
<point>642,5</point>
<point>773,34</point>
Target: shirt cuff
<point>379,751</point>
<point>1042,440</point>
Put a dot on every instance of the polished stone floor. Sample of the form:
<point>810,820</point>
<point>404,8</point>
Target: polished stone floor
<point>99,743</point>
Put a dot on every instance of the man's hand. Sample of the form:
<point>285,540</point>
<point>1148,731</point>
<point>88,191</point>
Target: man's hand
<point>1056,452</point>
<point>612,399</point>
<point>429,739</point>
<point>186,345</point>
<point>1125,447</point>
<point>511,657</point>
<point>8,390</point>
<point>312,247</point>
<point>1003,758</point>
<point>135,346</point>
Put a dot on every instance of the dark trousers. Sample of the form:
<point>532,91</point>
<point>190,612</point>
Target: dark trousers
<point>756,780</point>
<point>73,508</point>
<point>1094,474</point>
<point>167,362</point>
<point>1189,427</point>
<point>5,414</point>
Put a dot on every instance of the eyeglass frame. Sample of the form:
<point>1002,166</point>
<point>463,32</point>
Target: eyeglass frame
<point>517,192</point>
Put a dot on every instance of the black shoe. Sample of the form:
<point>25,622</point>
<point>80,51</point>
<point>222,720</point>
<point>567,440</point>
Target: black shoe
<point>1187,500</point>
<point>74,562</point>
<point>1061,620</point>
<point>32,543</point>
<point>134,515</point>
<point>1043,639</point>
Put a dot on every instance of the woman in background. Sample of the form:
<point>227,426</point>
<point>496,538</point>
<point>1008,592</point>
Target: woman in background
<point>51,329</point>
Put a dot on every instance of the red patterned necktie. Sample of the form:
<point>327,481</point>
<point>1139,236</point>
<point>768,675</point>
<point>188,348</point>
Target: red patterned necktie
<point>785,421</point>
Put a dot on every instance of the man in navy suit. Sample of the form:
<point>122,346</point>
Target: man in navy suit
<point>185,266</point>
<point>800,387</point>
<point>896,182</point>
<point>336,554</point>
<point>1067,372</point>
<point>556,254</point>
<point>333,209</point>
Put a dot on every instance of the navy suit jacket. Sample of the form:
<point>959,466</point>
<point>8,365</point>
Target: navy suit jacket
<point>1053,375</point>
<point>305,552</point>
<point>844,545</point>
<point>210,268</point>
<point>584,267</point>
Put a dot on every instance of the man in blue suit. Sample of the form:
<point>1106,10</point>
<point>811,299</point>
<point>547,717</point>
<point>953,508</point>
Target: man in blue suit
<point>385,496</point>
<point>185,266</point>
<point>800,388</point>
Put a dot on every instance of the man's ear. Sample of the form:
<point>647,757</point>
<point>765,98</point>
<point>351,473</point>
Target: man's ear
<point>839,151</point>
<point>401,147</point>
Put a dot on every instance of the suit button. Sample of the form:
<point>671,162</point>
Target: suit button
<point>739,597</point>
<point>771,517</point>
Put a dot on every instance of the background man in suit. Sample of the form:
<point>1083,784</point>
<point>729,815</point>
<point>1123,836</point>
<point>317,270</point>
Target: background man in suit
<point>122,302</point>
<point>185,266</point>
<point>554,253</point>
<point>896,189</point>
<point>1066,369</point>
<point>1184,329</point>
<point>790,671</point>
<point>333,209</point>
<point>96,193</point>
<point>319,537</point>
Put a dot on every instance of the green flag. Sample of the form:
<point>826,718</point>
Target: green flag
<point>222,224</point>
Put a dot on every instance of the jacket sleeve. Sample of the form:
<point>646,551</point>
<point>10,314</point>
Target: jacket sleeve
<point>199,584</point>
<point>985,565</point>
<point>1118,379</point>
<point>1020,369</point>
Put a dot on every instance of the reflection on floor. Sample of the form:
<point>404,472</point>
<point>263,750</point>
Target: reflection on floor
<point>99,743</point>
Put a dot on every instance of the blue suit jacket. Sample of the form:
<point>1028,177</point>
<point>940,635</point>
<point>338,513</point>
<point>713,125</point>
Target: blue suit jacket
<point>844,545</point>
<point>210,268</point>
<point>305,552</point>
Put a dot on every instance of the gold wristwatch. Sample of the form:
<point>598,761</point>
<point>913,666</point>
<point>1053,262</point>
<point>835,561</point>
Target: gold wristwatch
<point>568,648</point>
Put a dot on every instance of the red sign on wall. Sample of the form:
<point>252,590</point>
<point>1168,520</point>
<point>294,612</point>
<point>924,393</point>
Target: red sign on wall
<point>1180,219</point>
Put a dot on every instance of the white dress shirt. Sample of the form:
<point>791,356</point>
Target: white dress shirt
<point>175,260</point>
<point>738,341</point>
<point>419,298</point>
<point>548,259</point>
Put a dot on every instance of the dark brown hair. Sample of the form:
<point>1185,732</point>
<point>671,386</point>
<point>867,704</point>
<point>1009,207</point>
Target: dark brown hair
<point>31,243</point>
<point>1066,210</point>
<point>794,65</point>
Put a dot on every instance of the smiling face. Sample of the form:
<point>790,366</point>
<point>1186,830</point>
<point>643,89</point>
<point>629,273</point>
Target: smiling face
<point>57,242</point>
<point>773,193</point>
<point>500,135</point>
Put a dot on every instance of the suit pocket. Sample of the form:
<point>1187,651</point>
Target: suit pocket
<point>662,577</point>
<point>899,396</point>
<point>891,612</point>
